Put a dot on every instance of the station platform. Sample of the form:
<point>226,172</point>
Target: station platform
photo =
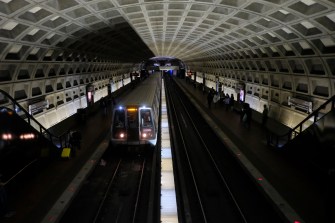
<point>288,179</point>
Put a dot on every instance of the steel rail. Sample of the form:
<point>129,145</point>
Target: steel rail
<point>22,169</point>
<point>183,204</point>
<point>106,193</point>
<point>188,160</point>
<point>223,179</point>
<point>139,190</point>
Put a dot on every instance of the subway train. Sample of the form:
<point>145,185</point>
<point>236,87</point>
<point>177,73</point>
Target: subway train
<point>136,115</point>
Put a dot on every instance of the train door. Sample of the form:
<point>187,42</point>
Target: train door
<point>132,124</point>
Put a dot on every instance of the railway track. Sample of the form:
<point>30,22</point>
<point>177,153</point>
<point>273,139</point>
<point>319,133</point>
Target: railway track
<point>118,190</point>
<point>119,203</point>
<point>213,186</point>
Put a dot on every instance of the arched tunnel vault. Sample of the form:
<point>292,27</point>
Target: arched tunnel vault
<point>279,48</point>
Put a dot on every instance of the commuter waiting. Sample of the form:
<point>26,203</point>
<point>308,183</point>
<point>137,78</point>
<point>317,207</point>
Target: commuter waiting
<point>265,115</point>
<point>216,98</point>
<point>226,101</point>
<point>210,97</point>
<point>231,102</point>
<point>246,115</point>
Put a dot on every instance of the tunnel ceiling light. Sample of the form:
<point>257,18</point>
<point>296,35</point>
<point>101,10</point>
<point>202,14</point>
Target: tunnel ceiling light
<point>10,25</point>
<point>50,35</point>
<point>327,42</point>
<point>307,25</point>
<point>287,47</point>
<point>287,30</point>
<point>35,9</point>
<point>284,11</point>
<point>34,51</point>
<point>54,18</point>
<point>15,49</point>
<point>33,31</point>
<point>49,53</point>
<point>304,45</point>
<point>273,49</point>
<point>308,2</point>
<point>331,16</point>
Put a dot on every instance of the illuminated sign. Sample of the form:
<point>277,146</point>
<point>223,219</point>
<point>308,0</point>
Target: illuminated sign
<point>38,107</point>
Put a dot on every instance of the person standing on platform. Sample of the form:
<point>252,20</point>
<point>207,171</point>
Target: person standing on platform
<point>227,100</point>
<point>216,98</point>
<point>231,102</point>
<point>222,97</point>
<point>103,104</point>
<point>113,101</point>
<point>210,98</point>
<point>265,115</point>
<point>75,142</point>
<point>212,91</point>
<point>246,115</point>
<point>249,116</point>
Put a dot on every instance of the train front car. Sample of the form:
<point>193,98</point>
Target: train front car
<point>135,119</point>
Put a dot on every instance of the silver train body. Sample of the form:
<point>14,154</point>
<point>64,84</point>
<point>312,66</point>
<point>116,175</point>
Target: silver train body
<point>136,116</point>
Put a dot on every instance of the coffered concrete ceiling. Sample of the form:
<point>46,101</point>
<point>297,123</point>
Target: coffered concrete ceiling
<point>188,30</point>
<point>51,49</point>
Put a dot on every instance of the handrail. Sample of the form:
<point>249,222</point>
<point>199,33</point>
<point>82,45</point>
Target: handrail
<point>315,113</point>
<point>273,139</point>
<point>45,132</point>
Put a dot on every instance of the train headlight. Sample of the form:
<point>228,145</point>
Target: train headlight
<point>7,136</point>
<point>122,135</point>
<point>146,133</point>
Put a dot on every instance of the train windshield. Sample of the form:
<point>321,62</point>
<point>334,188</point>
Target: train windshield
<point>119,124</point>
<point>119,118</point>
<point>146,120</point>
<point>147,126</point>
